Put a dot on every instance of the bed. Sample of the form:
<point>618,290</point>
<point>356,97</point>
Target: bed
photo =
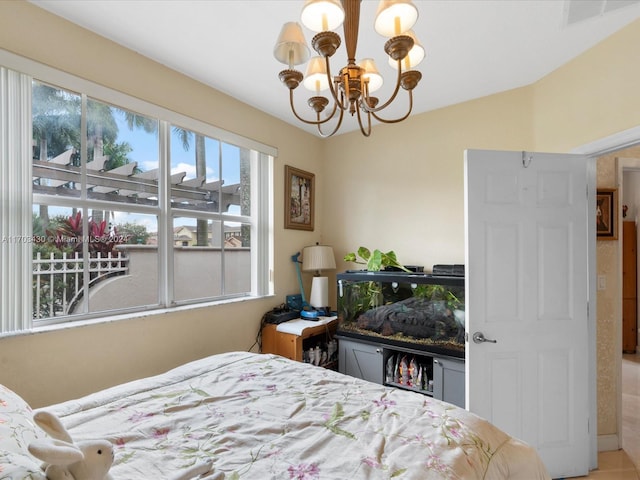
<point>259,417</point>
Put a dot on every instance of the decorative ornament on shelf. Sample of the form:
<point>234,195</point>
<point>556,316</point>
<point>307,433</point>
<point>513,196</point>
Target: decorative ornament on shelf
<point>351,89</point>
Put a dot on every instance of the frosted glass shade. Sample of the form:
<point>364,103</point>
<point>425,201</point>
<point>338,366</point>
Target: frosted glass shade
<point>322,15</point>
<point>315,78</point>
<point>414,57</point>
<point>394,17</point>
<point>291,47</point>
<point>375,79</point>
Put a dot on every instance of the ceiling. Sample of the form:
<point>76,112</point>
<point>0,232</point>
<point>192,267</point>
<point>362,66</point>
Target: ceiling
<point>474,47</point>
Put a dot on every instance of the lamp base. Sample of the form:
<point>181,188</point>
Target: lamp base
<point>319,297</point>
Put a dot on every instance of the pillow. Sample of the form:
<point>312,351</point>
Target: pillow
<point>17,431</point>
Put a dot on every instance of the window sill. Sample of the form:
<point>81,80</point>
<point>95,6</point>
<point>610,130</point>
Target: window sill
<point>127,316</point>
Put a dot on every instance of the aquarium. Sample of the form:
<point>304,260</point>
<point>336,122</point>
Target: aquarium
<point>415,310</point>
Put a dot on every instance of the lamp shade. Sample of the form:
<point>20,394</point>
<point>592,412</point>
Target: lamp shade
<point>315,78</point>
<point>322,15</point>
<point>291,47</point>
<point>413,58</point>
<point>394,17</point>
<point>371,73</point>
<point>318,257</point>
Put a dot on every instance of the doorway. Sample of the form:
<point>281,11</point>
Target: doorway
<point>608,271</point>
<point>628,170</point>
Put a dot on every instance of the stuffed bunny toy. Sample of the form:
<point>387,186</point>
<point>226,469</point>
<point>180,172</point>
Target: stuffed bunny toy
<point>66,460</point>
<point>89,460</point>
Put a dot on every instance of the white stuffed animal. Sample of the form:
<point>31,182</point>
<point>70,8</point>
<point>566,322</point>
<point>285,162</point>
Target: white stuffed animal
<point>89,460</point>
<point>66,460</point>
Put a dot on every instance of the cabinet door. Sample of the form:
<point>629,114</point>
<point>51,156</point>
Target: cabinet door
<point>448,380</point>
<point>361,360</point>
<point>629,325</point>
<point>629,288</point>
<point>629,268</point>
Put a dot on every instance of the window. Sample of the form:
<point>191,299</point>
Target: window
<point>214,200</point>
<point>138,208</point>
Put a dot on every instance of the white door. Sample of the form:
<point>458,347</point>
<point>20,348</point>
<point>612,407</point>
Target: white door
<point>527,259</point>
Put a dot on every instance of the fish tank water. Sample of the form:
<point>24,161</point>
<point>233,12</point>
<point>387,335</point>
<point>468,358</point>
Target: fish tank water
<point>415,310</point>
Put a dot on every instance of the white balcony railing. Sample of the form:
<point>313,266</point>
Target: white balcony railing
<point>58,281</point>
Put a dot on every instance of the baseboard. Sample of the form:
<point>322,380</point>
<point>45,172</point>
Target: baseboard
<point>607,443</point>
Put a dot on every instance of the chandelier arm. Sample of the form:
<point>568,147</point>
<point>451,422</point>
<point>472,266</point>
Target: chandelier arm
<point>325,135</point>
<point>383,120</point>
<point>366,132</point>
<point>331,81</point>
<point>311,122</point>
<point>365,104</point>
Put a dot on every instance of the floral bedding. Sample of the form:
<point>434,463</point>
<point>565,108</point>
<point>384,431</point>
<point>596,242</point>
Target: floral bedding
<point>264,417</point>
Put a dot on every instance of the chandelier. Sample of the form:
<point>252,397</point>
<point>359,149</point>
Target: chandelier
<point>351,89</point>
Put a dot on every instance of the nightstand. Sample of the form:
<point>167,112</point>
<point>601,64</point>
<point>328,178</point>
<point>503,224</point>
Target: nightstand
<point>293,338</point>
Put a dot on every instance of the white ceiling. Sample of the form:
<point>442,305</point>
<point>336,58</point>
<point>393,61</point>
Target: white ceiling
<point>474,47</point>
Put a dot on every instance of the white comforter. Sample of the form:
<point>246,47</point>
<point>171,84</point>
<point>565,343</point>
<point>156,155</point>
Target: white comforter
<point>263,417</point>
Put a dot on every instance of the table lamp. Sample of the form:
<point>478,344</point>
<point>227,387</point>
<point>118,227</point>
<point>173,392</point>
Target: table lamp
<point>315,259</point>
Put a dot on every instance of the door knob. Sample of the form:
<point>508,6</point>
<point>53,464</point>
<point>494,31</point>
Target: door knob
<point>479,337</point>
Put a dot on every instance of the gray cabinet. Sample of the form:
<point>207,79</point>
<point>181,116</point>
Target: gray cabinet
<point>361,360</point>
<point>448,380</point>
<point>368,360</point>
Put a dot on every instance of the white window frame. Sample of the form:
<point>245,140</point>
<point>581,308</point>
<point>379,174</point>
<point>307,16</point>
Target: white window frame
<point>261,217</point>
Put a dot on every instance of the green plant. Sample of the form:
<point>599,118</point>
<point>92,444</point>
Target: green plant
<point>435,292</point>
<point>69,235</point>
<point>369,294</point>
<point>376,260</point>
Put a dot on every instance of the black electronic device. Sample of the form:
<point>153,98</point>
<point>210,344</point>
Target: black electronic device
<point>456,270</point>
<point>280,315</point>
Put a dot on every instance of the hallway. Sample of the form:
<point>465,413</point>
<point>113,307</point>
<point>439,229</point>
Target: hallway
<point>631,407</point>
<point>619,465</point>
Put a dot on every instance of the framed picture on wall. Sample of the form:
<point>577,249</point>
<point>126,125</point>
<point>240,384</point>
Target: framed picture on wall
<point>299,190</point>
<point>606,214</point>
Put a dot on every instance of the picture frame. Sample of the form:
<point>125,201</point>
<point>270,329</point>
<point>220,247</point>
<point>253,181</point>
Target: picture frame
<point>607,214</point>
<point>299,203</point>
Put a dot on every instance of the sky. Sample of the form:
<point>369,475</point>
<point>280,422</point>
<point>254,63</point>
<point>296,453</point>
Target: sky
<point>144,152</point>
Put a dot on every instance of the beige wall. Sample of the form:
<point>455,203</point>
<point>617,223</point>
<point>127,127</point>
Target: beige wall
<point>52,366</point>
<point>400,189</point>
<point>591,97</point>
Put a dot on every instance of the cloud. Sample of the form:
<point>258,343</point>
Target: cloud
<point>147,165</point>
<point>190,169</point>
<point>185,167</point>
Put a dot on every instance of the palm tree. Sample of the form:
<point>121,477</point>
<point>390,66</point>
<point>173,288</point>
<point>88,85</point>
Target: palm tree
<point>56,127</point>
<point>101,129</point>
<point>148,125</point>
<point>202,227</point>
<point>245,195</point>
